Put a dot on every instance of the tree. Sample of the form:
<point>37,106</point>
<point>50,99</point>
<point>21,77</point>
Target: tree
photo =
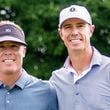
<point>39,19</point>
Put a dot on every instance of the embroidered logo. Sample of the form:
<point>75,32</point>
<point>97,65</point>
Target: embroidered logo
<point>7,30</point>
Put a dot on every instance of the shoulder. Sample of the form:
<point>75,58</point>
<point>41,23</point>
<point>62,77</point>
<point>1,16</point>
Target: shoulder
<point>101,56</point>
<point>34,82</point>
<point>105,61</point>
<point>61,72</point>
<point>42,85</point>
<point>49,87</point>
<point>39,83</point>
<point>106,58</point>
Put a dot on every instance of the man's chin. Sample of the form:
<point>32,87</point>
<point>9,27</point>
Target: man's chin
<point>9,72</point>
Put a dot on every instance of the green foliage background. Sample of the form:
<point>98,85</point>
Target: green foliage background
<point>39,20</point>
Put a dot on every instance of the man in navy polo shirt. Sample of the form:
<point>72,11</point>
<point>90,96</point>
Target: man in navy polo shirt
<point>19,90</point>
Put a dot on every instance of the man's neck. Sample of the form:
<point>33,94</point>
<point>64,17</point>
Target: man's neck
<point>81,62</point>
<point>9,80</point>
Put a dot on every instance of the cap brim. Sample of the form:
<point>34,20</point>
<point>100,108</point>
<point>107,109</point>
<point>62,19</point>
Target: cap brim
<point>11,38</point>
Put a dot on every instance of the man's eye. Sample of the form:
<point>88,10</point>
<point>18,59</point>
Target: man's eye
<point>14,46</point>
<point>67,27</point>
<point>1,46</point>
<point>81,25</point>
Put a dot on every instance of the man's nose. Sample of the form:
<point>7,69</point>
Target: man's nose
<point>74,31</point>
<point>8,51</point>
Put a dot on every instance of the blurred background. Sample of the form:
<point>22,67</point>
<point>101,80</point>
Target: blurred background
<point>39,20</point>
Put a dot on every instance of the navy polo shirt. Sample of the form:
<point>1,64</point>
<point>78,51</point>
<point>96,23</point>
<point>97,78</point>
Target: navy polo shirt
<point>29,93</point>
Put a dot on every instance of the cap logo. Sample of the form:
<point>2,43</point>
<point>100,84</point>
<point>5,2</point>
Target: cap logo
<point>7,30</point>
<point>72,9</point>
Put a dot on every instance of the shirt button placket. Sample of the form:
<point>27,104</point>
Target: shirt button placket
<point>7,98</point>
<point>77,96</point>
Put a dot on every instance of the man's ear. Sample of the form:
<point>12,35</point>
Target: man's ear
<point>60,33</point>
<point>92,29</point>
<point>24,51</point>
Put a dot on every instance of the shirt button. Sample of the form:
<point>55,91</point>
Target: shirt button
<point>77,93</point>
<point>7,101</point>
<point>4,85</point>
<point>77,82</point>
<point>8,92</point>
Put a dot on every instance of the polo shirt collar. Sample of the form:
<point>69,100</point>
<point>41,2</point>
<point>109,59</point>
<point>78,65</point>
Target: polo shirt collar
<point>96,59</point>
<point>23,80</point>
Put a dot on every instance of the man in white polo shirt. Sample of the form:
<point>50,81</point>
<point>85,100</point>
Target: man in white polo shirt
<point>83,82</point>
